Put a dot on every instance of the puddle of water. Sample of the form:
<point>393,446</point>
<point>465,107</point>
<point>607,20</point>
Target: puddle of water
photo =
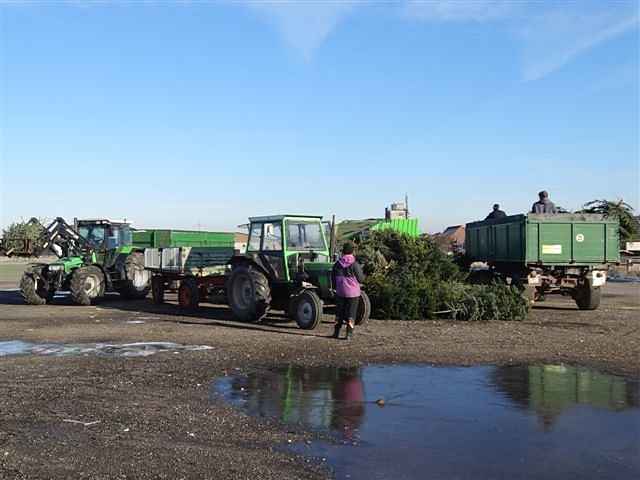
<point>138,349</point>
<point>547,421</point>
<point>624,279</point>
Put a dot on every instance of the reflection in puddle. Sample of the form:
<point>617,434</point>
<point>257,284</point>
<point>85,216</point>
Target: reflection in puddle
<point>138,349</point>
<point>436,422</point>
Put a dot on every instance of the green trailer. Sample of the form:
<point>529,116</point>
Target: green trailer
<point>193,263</point>
<point>182,238</point>
<point>542,253</point>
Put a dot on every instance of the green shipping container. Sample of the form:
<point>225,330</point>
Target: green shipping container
<point>561,239</point>
<point>182,238</point>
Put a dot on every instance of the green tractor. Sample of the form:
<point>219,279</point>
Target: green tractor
<point>287,266</point>
<point>94,256</point>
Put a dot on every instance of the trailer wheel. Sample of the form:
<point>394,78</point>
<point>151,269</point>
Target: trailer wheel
<point>249,293</point>
<point>189,294</point>
<point>157,289</point>
<point>587,297</point>
<point>364,309</point>
<point>307,309</point>
<point>137,279</point>
<point>34,291</point>
<point>87,284</point>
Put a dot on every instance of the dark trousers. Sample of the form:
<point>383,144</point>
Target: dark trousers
<point>346,310</point>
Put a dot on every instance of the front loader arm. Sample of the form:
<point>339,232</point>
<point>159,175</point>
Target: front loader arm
<point>60,237</point>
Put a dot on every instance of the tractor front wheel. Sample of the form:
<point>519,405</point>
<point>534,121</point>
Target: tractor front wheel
<point>87,284</point>
<point>34,290</point>
<point>137,279</point>
<point>249,293</point>
<point>307,309</point>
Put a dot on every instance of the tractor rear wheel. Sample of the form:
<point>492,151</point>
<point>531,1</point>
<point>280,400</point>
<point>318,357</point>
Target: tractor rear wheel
<point>587,297</point>
<point>137,280</point>
<point>157,289</point>
<point>249,293</point>
<point>307,309</point>
<point>34,291</point>
<point>87,284</point>
<point>189,294</point>
<point>364,309</point>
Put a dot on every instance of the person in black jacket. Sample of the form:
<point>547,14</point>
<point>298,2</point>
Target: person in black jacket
<point>544,205</point>
<point>347,277</point>
<point>496,213</point>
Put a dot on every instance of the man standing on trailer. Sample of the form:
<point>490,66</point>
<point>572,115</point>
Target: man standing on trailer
<point>496,213</point>
<point>544,205</point>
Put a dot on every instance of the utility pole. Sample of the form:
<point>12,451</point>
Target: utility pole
<point>406,205</point>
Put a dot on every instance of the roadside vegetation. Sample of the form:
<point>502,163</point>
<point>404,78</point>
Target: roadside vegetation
<point>412,279</point>
<point>618,209</point>
<point>18,236</point>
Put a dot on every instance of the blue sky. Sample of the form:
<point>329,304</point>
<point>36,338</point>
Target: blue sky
<point>187,114</point>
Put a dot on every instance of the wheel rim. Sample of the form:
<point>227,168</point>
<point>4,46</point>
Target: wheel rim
<point>243,294</point>
<point>140,278</point>
<point>305,312</point>
<point>90,285</point>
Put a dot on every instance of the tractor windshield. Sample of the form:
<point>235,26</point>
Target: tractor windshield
<point>94,234</point>
<point>305,236</point>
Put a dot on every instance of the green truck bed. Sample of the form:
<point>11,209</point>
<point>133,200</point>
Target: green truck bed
<point>543,239</point>
<point>182,238</point>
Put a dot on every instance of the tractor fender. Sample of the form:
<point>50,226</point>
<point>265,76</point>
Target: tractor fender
<point>250,262</point>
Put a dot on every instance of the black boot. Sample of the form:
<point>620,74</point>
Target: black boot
<point>336,331</point>
<point>349,332</point>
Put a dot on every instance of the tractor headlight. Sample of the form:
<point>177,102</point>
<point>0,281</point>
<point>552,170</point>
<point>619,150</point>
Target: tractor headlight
<point>55,268</point>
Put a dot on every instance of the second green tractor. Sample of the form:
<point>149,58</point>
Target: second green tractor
<point>94,256</point>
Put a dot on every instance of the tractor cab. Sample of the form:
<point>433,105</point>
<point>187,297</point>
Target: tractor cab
<point>104,234</point>
<point>285,244</point>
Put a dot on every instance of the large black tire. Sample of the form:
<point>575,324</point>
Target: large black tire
<point>137,281</point>
<point>33,290</point>
<point>307,309</point>
<point>189,294</point>
<point>157,289</point>
<point>364,309</point>
<point>249,293</point>
<point>87,284</point>
<point>587,297</point>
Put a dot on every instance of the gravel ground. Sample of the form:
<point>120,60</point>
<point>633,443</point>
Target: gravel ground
<point>155,417</point>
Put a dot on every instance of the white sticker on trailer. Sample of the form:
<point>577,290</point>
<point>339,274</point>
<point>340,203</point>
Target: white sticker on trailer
<point>552,249</point>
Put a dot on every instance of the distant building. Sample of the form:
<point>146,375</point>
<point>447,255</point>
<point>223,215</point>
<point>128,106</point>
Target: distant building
<point>396,210</point>
<point>240,243</point>
<point>451,240</point>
